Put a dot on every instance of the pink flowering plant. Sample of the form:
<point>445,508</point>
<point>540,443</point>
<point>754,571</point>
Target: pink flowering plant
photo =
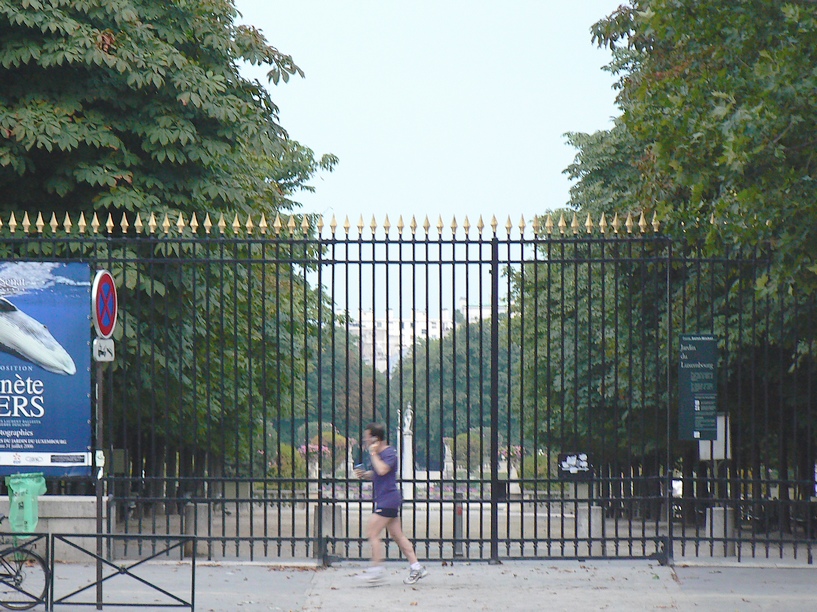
<point>311,451</point>
<point>511,452</point>
<point>330,449</point>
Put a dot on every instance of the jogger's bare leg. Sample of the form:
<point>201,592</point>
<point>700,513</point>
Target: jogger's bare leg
<point>395,528</point>
<point>375,527</point>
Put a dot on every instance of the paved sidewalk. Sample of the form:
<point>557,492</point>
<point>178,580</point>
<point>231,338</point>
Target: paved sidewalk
<point>513,585</point>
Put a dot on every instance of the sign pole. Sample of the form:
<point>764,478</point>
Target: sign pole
<point>100,395</point>
<point>104,307</point>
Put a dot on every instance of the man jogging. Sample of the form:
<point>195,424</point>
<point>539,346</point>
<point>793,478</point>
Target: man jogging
<point>387,502</point>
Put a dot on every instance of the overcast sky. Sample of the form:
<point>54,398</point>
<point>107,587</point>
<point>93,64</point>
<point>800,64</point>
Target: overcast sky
<point>438,107</point>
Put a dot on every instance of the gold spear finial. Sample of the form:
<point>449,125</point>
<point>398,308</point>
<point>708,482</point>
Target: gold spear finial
<point>480,226</point>
<point>66,224</point>
<point>137,223</point>
<point>466,225</point>
<point>574,225</point>
<point>151,222</point>
<point>629,223</point>
<point>603,224</point>
<point>194,223</point>
<point>373,226</point>
<point>494,224</point>
<point>386,225</point>
<point>549,224</point>
<point>562,224</point>
<point>180,224</point>
<point>40,223</point>
<point>262,224</point>
<point>222,224</point>
<point>656,225</point>
<point>166,224</point>
<point>616,223</point>
<point>94,223</point>
<point>208,224</point>
<point>291,226</point>
<point>12,223</point>
<point>249,225</point>
<point>360,226</point>
<point>413,225</point>
<point>588,224</point>
<point>55,225</point>
<point>109,224</point>
<point>123,225</point>
<point>642,223</point>
<point>347,225</point>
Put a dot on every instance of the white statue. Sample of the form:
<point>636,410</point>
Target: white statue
<point>407,418</point>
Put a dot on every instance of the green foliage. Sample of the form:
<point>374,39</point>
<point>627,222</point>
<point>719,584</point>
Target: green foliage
<point>289,463</point>
<point>132,105</point>
<point>589,332</point>
<point>342,389</point>
<point>718,98</point>
<point>717,136</point>
<point>605,171</point>
<point>472,448</point>
<point>448,383</point>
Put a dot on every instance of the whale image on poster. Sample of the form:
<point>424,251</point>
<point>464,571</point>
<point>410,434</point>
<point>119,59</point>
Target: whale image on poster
<point>30,340</point>
<point>45,369</point>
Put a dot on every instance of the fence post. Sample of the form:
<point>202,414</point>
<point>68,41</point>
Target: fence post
<point>458,524</point>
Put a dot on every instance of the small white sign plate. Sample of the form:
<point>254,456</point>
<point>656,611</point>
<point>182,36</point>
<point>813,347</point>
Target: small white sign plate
<point>103,349</point>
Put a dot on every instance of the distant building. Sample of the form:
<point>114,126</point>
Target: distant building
<point>384,339</point>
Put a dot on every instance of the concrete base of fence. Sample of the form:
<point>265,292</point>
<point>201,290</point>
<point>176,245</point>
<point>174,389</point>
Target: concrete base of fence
<point>720,524</point>
<point>68,514</point>
<point>191,513</point>
<point>589,524</point>
<point>327,522</point>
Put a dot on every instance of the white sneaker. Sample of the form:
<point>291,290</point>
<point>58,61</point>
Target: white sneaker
<point>415,575</point>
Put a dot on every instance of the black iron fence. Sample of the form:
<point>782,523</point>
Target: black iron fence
<point>527,375</point>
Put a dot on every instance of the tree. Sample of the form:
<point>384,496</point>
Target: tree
<point>588,317</point>
<point>134,105</point>
<point>448,383</point>
<point>720,98</point>
<point>718,122</point>
<point>605,171</point>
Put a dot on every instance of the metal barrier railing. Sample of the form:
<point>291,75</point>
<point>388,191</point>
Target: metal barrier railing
<point>75,590</point>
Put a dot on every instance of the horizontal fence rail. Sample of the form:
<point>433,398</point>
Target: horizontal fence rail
<point>527,374</point>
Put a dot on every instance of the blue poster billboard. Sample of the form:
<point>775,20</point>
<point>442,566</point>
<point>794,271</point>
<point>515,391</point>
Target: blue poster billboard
<point>45,368</point>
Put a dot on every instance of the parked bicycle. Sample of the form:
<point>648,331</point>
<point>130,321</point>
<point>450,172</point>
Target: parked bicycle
<point>23,575</point>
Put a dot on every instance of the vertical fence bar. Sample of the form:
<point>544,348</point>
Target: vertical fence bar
<point>494,401</point>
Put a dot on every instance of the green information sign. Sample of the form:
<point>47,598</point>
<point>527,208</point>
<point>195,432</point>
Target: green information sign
<point>698,387</point>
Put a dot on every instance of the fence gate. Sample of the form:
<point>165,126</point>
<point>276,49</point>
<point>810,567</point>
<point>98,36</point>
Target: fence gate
<point>528,377</point>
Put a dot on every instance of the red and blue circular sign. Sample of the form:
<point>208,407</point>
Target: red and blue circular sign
<point>104,305</point>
